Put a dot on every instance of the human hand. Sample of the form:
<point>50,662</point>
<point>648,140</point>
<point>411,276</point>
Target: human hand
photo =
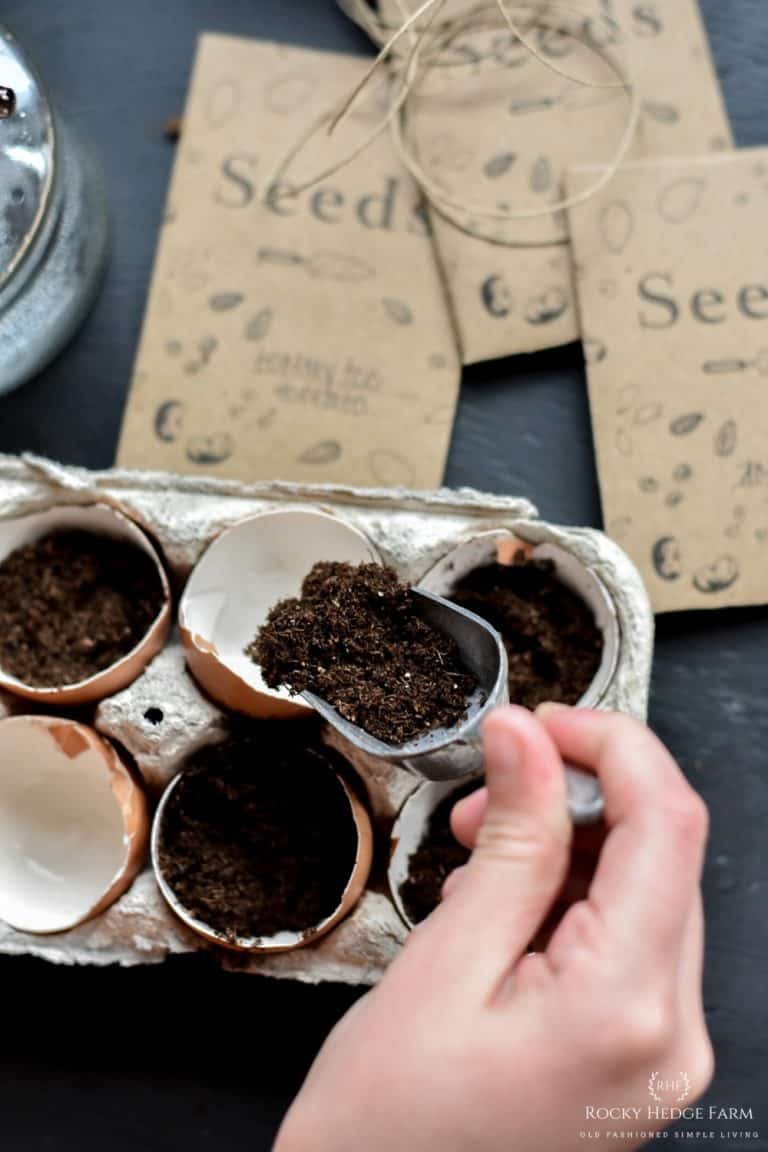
<point>471,1044</point>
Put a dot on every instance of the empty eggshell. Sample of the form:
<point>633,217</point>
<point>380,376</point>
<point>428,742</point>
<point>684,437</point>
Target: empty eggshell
<point>101,520</point>
<point>281,941</point>
<point>73,824</point>
<point>244,573</point>
<point>500,547</point>
<point>408,832</point>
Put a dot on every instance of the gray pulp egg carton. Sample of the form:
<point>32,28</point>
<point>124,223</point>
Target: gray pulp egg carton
<point>162,718</point>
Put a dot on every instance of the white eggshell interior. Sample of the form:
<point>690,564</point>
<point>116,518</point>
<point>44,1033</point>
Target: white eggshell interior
<point>409,830</point>
<point>96,518</point>
<point>62,841</point>
<point>483,550</point>
<point>252,566</point>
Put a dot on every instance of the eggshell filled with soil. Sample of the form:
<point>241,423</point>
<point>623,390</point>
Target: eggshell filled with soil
<point>73,824</point>
<point>242,575</point>
<point>262,846</point>
<point>568,647</point>
<point>414,896</point>
<point>69,637</point>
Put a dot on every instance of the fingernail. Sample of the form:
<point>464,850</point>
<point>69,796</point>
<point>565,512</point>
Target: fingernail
<point>551,708</point>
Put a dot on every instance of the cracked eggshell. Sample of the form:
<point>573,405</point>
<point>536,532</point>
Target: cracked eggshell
<point>500,547</point>
<point>244,573</point>
<point>73,824</point>
<point>409,830</point>
<point>281,941</point>
<point>101,520</point>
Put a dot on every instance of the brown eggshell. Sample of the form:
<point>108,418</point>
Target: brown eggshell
<point>243,574</point>
<point>74,824</point>
<point>500,546</point>
<point>103,520</point>
<point>282,941</point>
<point>409,830</point>
<point>229,689</point>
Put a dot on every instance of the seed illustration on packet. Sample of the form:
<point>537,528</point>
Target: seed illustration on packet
<point>672,276</point>
<point>298,337</point>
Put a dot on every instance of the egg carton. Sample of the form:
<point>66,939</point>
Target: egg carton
<point>162,718</point>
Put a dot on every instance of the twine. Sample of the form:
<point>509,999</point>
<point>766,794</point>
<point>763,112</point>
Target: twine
<point>387,36</point>
<point>332,119</point>
<point>426,52</point>
<point>361,13</point>
<point>465,215</point>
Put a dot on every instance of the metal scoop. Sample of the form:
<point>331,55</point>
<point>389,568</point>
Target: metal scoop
<point>450,753</point>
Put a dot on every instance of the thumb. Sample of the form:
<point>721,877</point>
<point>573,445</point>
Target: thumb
<point>521,854</point>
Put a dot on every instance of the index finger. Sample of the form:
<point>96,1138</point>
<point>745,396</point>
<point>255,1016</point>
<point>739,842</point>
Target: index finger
<point>650,866</point>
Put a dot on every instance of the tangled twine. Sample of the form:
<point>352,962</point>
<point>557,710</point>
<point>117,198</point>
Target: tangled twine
<point>429,41</point>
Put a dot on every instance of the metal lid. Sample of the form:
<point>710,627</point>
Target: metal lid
<point>26,157</point>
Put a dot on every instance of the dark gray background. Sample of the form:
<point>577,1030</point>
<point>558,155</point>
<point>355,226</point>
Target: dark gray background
<point>182,1056</point>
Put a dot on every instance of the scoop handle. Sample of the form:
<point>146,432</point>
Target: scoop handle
<point>585,796</point>
<point>583,792</point>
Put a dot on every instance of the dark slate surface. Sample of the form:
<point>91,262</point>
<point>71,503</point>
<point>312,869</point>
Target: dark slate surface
<point>183,1057</point>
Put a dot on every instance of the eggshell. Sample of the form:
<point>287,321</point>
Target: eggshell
<point>101,520</point>
<point>500,547</point>
<point>408,832</point>
<point>413,819</point>
<point>244,573</point>
<point>73,824</point>
<point>282,941</point>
